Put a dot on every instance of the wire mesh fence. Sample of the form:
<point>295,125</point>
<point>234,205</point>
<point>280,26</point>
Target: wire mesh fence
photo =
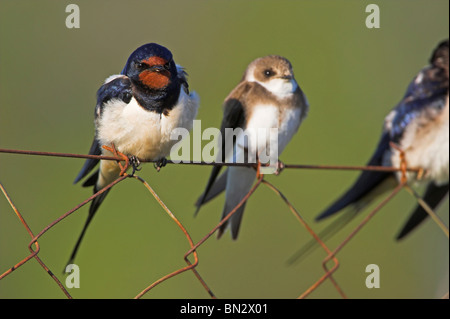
<point>191,257</point>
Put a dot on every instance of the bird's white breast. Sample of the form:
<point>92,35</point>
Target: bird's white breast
<point>265,117</point>
<point>145,134</point>
<point>290,122</point>
<point>427,147</point>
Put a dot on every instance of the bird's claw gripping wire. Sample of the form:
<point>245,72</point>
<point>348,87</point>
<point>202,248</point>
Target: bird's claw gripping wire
<point>160,163</point>
<point>403,163</point>
<point>280,167</point>
<point>135,163</point>
<point>125,158</point>
<point>258,169</point>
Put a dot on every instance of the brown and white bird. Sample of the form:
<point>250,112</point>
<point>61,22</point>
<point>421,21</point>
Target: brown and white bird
<point>268,97</point>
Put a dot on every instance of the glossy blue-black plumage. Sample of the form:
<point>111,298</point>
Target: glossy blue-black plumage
<point>119,88</point>
<point>144,52</point>
<point>433,197</point>
<point>157,100</point>
<point>366,182</point>
<point>116,89</point>
<point>424,93</point>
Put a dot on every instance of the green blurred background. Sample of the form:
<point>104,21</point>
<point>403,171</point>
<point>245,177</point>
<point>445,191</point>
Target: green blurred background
<point>351,75</point>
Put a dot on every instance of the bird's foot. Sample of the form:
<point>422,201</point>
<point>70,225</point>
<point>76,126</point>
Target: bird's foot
<point>135,163</point>
<point>280,167</point>
<point>259,174</point>
<point>125,158</point>
<point>403,162</point>
<point>160,163</point>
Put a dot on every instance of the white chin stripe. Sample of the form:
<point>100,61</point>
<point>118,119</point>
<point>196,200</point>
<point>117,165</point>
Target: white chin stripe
<point>280,87</point>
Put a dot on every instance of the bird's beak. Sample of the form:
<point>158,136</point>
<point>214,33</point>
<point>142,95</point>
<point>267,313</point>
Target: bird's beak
<point>157,68</point>
<point>287,77</point>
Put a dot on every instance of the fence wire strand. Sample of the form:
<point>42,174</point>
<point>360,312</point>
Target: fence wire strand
<point>33,252</point>
<point>331,254</point>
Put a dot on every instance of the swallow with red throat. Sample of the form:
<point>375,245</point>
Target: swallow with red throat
<point>135,114</point>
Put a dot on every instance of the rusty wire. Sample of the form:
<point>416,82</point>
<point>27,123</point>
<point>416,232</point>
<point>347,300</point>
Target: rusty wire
<point>286,166</point>
<point>33,252</point>
<point>331,255</point>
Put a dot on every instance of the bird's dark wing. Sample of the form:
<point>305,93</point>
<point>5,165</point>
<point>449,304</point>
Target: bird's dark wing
<point>434,195</point>
<point>426,94</point>
<point>233,117</point>
<point>212,190</point>
<point>182,77</point>
<point>424,97</point>
<point>118,88</point>
<point>365,184</point>
<point>90,163</point>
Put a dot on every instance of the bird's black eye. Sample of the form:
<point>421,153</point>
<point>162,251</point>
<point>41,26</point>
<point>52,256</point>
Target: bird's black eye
<point>139,65</point>
<point>268,73</point>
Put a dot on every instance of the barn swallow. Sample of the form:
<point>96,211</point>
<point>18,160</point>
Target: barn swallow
<point>136,112</point>
<point>267,97</point>
<point>418,127</point>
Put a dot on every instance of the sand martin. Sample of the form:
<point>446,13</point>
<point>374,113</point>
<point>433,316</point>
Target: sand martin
<point>267,97</point>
